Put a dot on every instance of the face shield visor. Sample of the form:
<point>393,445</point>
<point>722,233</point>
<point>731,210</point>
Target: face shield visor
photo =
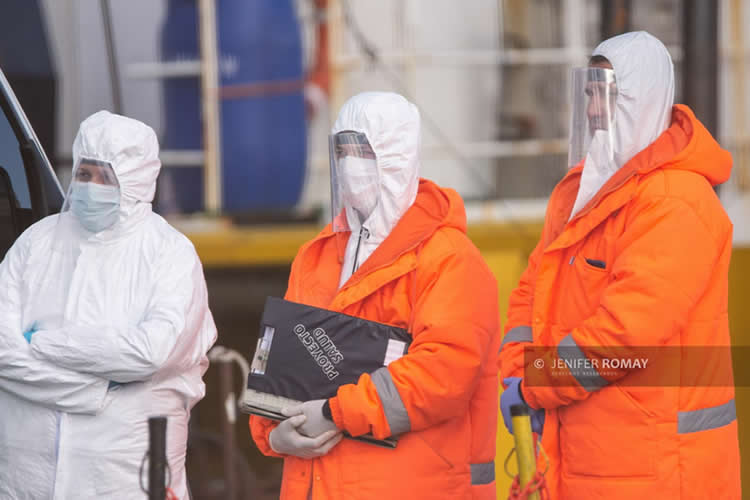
<point>594,92</point>
<point>94,195</point>
<point>354,179</point>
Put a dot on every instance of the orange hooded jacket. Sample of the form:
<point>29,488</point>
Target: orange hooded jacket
<point>644,263</point>
<point>427,277</point>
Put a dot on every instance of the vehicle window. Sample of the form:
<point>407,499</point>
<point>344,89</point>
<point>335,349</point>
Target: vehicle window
<point>11,161</point>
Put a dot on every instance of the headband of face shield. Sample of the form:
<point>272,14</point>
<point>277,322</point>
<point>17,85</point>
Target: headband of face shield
<point>355,185</point>
<point>94,195</point>
<point>592,125</point>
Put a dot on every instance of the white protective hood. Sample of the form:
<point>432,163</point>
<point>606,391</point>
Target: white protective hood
<point>392,126</point>
<point>132,149</point>
<point>643,109</point>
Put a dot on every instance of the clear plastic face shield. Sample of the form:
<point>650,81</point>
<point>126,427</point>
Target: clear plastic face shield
<point>355,187</point>
<point>94,195</point>
<point>594,92</point>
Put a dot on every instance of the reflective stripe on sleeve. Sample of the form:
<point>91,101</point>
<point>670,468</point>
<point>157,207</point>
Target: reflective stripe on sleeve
<point>579,365</point>
<point>393,407</point>
<point>518,334</point>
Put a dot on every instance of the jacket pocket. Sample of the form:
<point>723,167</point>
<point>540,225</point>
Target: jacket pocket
<point>418,458</point>
<point>611,451</point>
<point>440,456</point>
<point>596,263</point>
<point>583,285</point>
<point>608,436</point>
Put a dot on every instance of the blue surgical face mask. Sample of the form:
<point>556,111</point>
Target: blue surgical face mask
<point>96,206</point>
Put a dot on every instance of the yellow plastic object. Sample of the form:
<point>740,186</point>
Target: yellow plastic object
<point>524,443</point>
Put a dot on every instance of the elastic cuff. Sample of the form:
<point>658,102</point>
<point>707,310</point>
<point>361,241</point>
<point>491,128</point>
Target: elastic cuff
<point>260,429</point>
<point>336,413</point>
<point>525,398</point>
<point>270,444</point>
<point>520,392</point>
<point>327,411</point>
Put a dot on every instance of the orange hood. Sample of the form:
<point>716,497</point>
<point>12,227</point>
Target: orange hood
<point>700,152</point>
<point>685,145</point>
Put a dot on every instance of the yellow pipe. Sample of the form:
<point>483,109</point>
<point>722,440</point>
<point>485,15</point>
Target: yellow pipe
<point>524,446</point>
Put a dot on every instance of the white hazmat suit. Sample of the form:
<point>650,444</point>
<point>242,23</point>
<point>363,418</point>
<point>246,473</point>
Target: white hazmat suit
<point>127,304</point>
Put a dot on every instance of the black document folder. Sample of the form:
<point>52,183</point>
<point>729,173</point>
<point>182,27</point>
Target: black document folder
<point>306,353</point>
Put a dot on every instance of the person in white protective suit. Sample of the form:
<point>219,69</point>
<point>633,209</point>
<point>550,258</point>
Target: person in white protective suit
<point>104,322</point>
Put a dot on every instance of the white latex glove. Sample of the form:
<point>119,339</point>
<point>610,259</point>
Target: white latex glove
<point>315,424</point>
<point>285,439</point>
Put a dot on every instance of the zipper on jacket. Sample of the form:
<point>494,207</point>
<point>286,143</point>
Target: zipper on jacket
<point>362,232</point>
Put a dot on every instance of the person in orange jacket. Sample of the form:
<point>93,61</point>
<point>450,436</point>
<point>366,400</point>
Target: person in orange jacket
<point>633,259</point>
<point>396,252</point>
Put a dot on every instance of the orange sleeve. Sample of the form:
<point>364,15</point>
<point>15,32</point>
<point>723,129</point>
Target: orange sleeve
<point>260,428</point>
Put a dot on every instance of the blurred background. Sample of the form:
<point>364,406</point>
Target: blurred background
<point>242,94</point>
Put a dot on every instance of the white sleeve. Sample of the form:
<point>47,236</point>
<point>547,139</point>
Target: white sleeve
<point>21,373</point>
<point>175,334</point>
